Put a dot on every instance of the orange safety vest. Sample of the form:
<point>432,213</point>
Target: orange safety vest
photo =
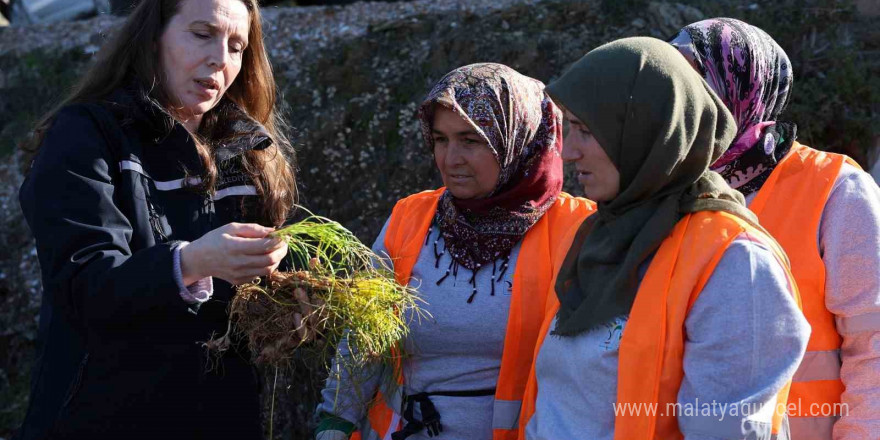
<point>404,238</point>
<point>652,345</point>
<point>789,206</point>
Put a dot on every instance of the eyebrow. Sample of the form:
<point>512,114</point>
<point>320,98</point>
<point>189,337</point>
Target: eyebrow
<point>460,133</point>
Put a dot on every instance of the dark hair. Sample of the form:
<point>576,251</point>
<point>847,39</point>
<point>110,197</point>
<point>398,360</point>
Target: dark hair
<point>130,55</point>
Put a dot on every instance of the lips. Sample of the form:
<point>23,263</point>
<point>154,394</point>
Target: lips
<point>459,178</point>
<point>207,85</point>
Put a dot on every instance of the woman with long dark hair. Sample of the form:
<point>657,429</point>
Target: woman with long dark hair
<point>153,191</point>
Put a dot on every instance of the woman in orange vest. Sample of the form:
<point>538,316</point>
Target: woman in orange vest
<point>825,213</point>
<point>676,316</point>
<point>478,251</point>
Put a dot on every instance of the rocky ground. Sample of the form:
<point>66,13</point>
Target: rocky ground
<point>351,78</point>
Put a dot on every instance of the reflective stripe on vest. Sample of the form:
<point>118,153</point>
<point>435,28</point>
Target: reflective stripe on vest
<point>812,428</point>
<point>789,206</point>
<point>818,365</point>
<point>404,239</point>
<point>652,346</point>
<point>505,414</point>
<point>862,323</point>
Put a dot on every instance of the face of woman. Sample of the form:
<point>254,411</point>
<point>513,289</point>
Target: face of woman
<point>201,51</point>
<point>466,163</point>
<point>595,171</point>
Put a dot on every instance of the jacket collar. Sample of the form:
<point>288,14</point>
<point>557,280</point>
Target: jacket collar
<point>238,134</point>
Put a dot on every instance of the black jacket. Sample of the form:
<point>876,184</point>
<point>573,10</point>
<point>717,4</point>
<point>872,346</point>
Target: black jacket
<point>119,353</point>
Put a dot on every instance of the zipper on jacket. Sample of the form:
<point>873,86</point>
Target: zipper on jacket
<point>77,381</point>
<point>156,222</point>
<point>210,210</point>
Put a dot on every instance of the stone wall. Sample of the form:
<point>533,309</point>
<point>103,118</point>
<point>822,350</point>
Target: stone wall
<point>351,79</point>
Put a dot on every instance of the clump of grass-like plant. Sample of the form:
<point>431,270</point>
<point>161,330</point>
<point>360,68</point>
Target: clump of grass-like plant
<point>346,292</point>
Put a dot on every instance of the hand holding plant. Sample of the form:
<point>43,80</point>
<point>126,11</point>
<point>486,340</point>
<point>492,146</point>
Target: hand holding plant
<point>236,252</point>
<point>346,291</point>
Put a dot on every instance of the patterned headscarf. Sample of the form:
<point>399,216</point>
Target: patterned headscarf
<point>752,75</point>
<point>523,128</point>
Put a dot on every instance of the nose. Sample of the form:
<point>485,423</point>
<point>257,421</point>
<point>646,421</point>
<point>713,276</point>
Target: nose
<point>569,152</point>
<point>219,57</point>
<point>454,155</point>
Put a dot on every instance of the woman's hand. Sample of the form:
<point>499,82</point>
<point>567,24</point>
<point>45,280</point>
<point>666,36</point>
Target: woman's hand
<point>236,252</point>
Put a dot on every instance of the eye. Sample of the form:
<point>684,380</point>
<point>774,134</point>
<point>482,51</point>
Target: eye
<point>581,128</point>
<point>201,35</point>
<point>440,139</point>
<point>473,142</point>
<point>237,46</point>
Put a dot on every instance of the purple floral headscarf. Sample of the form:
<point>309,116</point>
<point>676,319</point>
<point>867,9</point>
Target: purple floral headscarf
<point>753,76</point>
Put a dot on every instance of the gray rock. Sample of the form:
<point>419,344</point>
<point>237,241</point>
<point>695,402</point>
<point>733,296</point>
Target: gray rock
<point>667,18</point>
<point>689,13</point>
<point>351,79</point>
<point>868,8</point>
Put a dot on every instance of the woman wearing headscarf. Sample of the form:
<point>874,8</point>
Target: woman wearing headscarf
<point>477,251</point>
<point>825,213</point>
<point>676,315</point>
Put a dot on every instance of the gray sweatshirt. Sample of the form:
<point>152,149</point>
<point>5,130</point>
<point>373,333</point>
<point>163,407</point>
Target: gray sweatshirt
<point>458,348</point>
<point>745,337</point>
<point>849,242</point>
